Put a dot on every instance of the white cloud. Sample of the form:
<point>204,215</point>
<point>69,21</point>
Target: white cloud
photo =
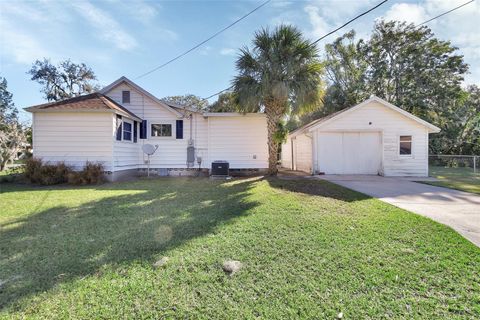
<point>460,26</point>
<point>106,27</point>
<point>20,46</point>
<point>145,12</point>
<point>228,51</point>
<point>408,12</point>
<point>325,16</point>
<point>281,4</point>
<point>204,51</point>
<point>318,22</point>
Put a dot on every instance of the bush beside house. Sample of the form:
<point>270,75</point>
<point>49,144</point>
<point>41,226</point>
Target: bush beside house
<point>36,171</point>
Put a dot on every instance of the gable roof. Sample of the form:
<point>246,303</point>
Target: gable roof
<point>141,90</point>
<point>180,107</point>
<point>90,102</point>
<point>334,116</point>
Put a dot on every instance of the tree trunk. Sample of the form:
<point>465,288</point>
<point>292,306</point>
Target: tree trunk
<point>274,114</point>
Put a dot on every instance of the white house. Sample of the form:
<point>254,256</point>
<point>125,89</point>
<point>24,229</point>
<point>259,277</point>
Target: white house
<point>111,126</point>
<point>373,137</point>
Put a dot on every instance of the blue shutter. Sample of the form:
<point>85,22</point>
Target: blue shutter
<point>143,129</point>
<point>134,131</point>
<point>119,127</point>
<point>179,132</point>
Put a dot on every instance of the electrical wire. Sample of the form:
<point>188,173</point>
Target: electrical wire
<point>360,15</point>
<point>316,41</point>
<point>203,42</point>
<point>447,12</point>
<point>348,22</point>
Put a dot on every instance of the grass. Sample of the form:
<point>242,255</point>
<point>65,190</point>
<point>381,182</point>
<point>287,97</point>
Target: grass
<point>310,249</point>
<point>462,178</point>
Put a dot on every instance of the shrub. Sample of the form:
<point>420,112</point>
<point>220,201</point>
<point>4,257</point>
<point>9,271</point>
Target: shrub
<point>92,173</point>
<point>43,173</point>
<point>47,174</point>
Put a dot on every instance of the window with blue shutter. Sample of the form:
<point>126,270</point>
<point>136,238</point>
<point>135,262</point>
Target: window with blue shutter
<point>119,127</point>
<point>127,131</point>
<point>134,131</point>
<point>143,129</point>
<point>179,131</point>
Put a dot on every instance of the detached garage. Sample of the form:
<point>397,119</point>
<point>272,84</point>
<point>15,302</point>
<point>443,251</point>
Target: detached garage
<point>373,137</point>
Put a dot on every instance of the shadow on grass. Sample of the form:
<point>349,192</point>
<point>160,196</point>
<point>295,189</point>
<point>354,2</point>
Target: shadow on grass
<point>316,187</point>
<point>61,244</point>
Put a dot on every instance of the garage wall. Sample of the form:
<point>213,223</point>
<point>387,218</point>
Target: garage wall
<point>392,124</point>
<point>302,148</point>
<point>287,154</point>
<point>302,153</point>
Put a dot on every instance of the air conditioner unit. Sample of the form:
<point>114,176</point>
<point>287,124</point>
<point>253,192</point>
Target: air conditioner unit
<point>220,168</point>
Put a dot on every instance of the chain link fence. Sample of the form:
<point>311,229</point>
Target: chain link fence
<point>468,162</point>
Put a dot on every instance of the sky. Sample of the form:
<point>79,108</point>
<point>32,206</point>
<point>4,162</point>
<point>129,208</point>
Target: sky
<point>128,38</point>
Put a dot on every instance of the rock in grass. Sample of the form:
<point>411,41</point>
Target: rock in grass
<point>340,315</point>
<point>161,262</point>
<point>232,266</point>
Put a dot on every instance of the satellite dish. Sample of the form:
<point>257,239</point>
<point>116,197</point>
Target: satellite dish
<point>148,149</point>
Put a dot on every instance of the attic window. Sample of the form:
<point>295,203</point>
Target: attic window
<point>405,145</point>
<point>125,96</point>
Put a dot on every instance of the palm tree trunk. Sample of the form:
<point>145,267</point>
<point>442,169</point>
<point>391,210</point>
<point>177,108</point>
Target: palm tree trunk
<point>274,115</point>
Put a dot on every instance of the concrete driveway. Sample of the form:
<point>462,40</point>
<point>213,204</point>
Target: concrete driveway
<point>459,210</point>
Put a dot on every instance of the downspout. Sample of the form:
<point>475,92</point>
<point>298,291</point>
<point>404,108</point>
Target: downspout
<point>312,170</point>
<point>291,146</point>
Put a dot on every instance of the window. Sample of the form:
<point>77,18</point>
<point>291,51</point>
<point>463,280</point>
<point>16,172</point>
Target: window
<point>405,145</point>
<point>125,96</point>
<point>161,130</point>
<point>127,131</point>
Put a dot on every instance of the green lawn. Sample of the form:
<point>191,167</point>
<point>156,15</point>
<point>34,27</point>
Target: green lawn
<point>463,179</point>
<point>309,249</point>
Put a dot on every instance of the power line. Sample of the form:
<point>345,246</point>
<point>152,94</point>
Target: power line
<point>362,14</point>
<point>350,21</point>
<point>316,41</point>
<point>447,12</point>
<point>203,42</point>
<point>219,92</point>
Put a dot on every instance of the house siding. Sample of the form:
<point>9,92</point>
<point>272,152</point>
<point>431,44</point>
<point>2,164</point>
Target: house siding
<point>171,152</point>
<point>240,140</point>
<point>235,139</point>
<point>74,138</point>
<point>126,154</point>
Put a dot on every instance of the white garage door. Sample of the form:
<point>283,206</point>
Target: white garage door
<point>349,152</point>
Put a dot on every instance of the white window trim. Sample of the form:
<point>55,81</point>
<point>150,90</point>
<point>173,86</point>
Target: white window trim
<point>152,122</point>
<point>405,156</point>
<point>123,128</point>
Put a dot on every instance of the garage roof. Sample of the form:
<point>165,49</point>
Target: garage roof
<point>332,117</point>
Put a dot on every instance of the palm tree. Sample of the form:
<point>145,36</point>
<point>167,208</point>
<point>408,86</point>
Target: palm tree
<point>280,75</point>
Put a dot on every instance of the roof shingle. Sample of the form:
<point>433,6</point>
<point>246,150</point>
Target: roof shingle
<point>92,101</point>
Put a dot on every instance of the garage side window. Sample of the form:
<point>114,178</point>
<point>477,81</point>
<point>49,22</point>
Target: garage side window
<point>405,145</point>
<point>161,130</point>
